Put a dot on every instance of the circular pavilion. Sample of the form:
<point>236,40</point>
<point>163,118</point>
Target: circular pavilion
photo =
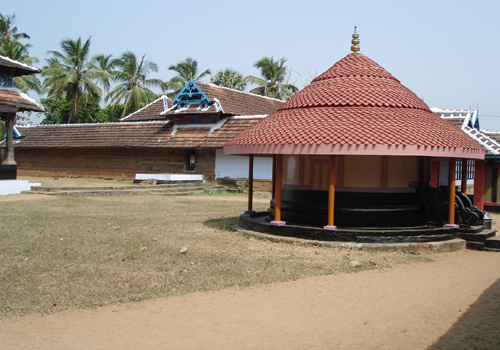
<point>353,150</point>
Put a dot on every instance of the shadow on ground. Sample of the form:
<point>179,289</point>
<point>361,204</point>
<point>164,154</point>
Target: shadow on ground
<point>221,223</point>
<point>479,327</point>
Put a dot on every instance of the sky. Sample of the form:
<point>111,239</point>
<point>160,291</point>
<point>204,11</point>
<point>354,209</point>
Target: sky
<point>445,51</point>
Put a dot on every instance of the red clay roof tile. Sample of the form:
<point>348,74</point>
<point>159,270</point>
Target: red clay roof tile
<point>355,102</point>
<point>19,101</point>
<point>138,134</point>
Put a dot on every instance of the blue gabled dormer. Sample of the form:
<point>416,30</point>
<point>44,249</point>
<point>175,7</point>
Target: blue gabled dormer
<point>189,95</point>
<point>16,135</point>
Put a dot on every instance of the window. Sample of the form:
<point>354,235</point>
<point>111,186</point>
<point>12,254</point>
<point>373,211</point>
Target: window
<point>190,161</point>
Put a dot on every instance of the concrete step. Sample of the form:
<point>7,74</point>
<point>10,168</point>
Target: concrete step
<point>475,245</point>
<point>477,237</point>
<point>121,192</point>
<point>109,188</point>
<point>493,242</point>
<point>486,249</point>
<point>471,229</point>
<point>185,193</point>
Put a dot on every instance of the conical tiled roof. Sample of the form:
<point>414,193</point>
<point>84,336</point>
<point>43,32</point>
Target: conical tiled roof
<point>355,107</point>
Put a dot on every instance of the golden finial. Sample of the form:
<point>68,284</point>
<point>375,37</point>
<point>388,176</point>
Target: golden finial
<point>355,41</point>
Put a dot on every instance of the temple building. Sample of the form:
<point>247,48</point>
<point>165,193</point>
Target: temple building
<point>353,150</point>
<point>183,137</point>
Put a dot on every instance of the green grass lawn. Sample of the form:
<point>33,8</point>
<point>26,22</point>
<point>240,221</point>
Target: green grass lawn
<point>67,252</point>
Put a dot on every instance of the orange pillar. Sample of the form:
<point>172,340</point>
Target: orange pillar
<point>277,199</point>
<point>479,175</point>
<point>463,187</point>
<point>331,194</point>
<point>250,183</point>
<point>451,184</point>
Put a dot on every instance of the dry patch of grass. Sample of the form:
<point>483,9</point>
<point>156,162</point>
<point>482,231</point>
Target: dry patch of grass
<point>80,252</point>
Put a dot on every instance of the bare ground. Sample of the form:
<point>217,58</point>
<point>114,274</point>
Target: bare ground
<point>451,303</point>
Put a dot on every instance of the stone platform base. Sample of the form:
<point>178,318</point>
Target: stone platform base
<point>8,172</point>
<point>420,247</point>
<point>400,238</point>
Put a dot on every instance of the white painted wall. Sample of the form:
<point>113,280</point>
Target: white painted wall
<point>443,172</point>
<point>236,167</point>
<point>15,186</point>
<point>444,169</point>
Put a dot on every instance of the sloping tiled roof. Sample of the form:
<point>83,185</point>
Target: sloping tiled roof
<point>149,112</point>
<point>230,102</point>
<point>355,107</point>
<point>134,134</point>
<point>19,68</point>
<point>18,100</point>
<point>236,102</point>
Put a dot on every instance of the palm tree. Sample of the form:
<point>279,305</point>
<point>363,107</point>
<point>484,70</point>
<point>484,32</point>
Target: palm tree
<point>186,71</point>
<point>6,29</point>
<point>274,73</point>
<point>10,47</point>
<point>104,67</point>
<point>231,79</point>
<point>70,74</point>
<point>133,90</point>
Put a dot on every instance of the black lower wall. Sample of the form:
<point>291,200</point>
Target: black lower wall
<point>352,209</point>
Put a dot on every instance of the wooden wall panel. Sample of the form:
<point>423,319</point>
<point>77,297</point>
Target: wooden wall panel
<point>114,163</point>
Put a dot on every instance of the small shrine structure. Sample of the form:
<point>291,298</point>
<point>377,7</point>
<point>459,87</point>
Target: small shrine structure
<point>12,101</point>
<point>353,151</point>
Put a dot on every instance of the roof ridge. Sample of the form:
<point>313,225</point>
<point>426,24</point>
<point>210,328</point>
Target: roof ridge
<point>239,91</point>
<point>97,124</point>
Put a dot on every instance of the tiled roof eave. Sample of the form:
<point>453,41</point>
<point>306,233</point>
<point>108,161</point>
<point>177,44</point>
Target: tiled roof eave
<point>379,105</point>
<point>166,145</point>
<point>345,149</point>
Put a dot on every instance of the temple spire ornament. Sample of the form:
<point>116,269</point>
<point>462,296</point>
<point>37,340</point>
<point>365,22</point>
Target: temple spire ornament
<point>355,41</point>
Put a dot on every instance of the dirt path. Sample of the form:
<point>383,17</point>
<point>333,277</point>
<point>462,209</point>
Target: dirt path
<point>451,303</point>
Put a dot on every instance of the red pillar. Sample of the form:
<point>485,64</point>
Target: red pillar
<point>250,183</point>
<point>277,199</point>
<point>331,195</point>
<point>463,187</point>
<point>435,174</point>
<point>479,175</point>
